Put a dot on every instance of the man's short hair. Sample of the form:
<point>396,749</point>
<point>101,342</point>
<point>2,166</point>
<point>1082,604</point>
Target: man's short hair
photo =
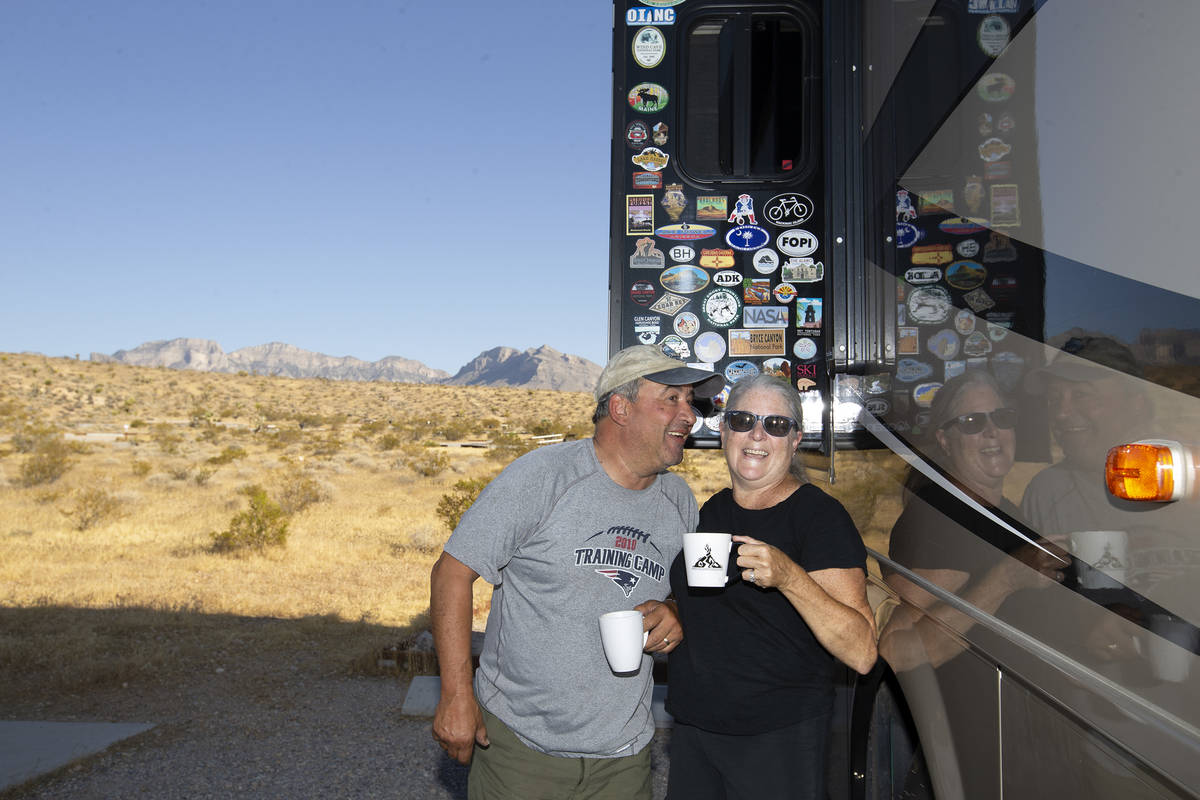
<point>628,390</point>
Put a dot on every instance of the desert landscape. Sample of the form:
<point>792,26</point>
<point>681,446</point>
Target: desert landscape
<point>150,516</point>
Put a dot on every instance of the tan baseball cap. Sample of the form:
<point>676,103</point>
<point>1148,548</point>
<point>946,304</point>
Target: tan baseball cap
<point>647,361</point>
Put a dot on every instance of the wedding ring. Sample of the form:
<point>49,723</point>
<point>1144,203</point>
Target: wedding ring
<point>751,577</point>
<point>666,641</point>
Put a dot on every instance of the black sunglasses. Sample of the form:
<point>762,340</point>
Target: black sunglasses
<point>774,424</point>
<point>1003,418</point>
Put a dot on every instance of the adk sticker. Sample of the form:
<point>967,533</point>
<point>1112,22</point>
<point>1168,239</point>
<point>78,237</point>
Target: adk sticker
<point>788,210</point>
<point>651,158</point>
<point>727,277</point>
<point>765,261</point>
<point>721,307</point>
<point>711,206</point>
<point>687,324</point>
<point>669,304</point>
<point>685,232</point>
<point>943,344</point>
<point>804,349</point>
<point>717,258</point>
<point>736,370</point>
<point>965,275</point>
<point>785,293</point>
<point>642,292</point>
<point>995,87</point>
<point>765,316</point>
<point>648,98</point>
<point>674,201</point>
<point>747,237</point>
<point>743,211</point>
<point>909,370</point>
<point>908,234</point>
<point>710,347</point>
<point>684,279</point>
<point>764,342</point>
<point>808,313</point>
<point>681,253</point>
<point>923,394</point>
<point>646,255</point>
<point>802,270</point>
<point>919,276</point>
<point>797,242</point>
<point>649,47</point>
<point>676,347</point>
<point>929,305</point>
<point>778,368</point>
<point>639,214</point>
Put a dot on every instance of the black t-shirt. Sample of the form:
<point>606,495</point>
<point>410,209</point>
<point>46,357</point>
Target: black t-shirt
<point>748,662</point>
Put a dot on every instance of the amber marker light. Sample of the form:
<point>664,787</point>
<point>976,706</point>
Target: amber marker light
<point>1152,470</point>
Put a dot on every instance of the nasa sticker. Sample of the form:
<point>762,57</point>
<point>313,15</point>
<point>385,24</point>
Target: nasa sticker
<point>766,261</point>
<point>649,47</point>
<point>727,277</point>
<point>747,237</point>
<point>710,347</point>
<point>687,324</point>
<point>788,210</point>
<point>805,349</point>
<point>797,243</point>
<point>648,98</point>
<point>681,253</point>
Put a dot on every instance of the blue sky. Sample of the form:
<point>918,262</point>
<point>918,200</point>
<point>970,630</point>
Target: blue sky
<point>365,177</point>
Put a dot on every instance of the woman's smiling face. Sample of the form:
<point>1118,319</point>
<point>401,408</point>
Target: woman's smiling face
<point>979,460</point>
<point>756,459</point>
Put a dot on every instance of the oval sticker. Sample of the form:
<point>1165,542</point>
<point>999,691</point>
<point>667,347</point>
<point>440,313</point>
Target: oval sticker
<point>797,243</point>
<point>747,237</point>
<point>929,305</point>
<point>736,370</point>
<point>685,232</point>
<point>787,210</point>
<point>649,47</point>
<point>648,98</point>
<point>683,278</point>
<point>710,347</point>
<point>682,253</point>
<point>727,277</point>
<point>965,275</point>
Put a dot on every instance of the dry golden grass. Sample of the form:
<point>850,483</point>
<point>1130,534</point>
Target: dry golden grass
<point>139,588</point>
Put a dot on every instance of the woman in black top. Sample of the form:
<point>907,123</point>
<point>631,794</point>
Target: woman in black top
<point>751,685</point>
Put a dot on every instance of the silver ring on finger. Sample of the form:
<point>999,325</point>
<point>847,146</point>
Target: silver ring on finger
<point>751,576</point>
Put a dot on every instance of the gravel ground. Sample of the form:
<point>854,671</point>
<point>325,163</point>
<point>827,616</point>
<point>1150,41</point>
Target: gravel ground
<point>249,734</point>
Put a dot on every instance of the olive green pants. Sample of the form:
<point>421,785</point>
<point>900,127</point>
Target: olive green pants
<point>509,770</point>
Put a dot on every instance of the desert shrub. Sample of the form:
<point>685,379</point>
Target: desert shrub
<point>298,490</point>
<point>202,475</point>
<point>180,473</point>
<point>425,461</point>
<point>455,428</point>
<point>490,424</point>
<point>260,526</point>
<point>92,506</point>
<point>508,446</point>
<point>422,539</point>
<point>167,439</point>
<point>328,446</point>
<point>283,437</point>
<point>48,461</point>
<point>461,497</point>
<point>210,434</point>
<point>369,429</point>
<point>137,423</point>
<point>389,441</point>
<point>140,467</point>
<point>543,427</point>
<point>27,439</point>
<point>227,456</point>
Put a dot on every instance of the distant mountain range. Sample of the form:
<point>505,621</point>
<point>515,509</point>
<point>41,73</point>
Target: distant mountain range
<point>537,368</point>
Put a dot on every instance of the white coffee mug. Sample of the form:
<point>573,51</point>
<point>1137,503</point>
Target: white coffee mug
<point>622,636</point>
<point>1172,648</point>
<point>1107,553</point>
<point>706,557</point>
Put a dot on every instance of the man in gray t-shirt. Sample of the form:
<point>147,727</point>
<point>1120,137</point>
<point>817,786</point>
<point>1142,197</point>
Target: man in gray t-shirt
<point>566,533</point>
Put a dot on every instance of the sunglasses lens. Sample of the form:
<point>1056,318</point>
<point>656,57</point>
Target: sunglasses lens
<point>972,423</point>
<point>777,426</point>
<point>739,421</point>
<point>1005,418</point>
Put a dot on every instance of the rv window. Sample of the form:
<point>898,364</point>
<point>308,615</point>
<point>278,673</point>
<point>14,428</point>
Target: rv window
<point>751,98</point>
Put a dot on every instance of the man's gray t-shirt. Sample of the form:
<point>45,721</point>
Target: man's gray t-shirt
<point>562,544</point>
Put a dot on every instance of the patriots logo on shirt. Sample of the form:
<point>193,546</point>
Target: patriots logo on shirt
<point>626,580</point>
